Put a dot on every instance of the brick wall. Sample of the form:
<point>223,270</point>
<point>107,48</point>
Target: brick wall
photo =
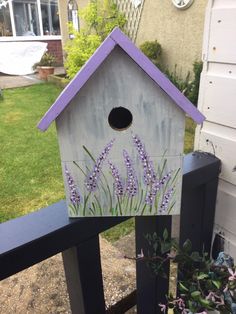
<point>55,48</point>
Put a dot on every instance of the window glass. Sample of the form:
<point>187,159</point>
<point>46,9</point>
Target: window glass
<point>5,21</point>
<point>26,17</point>
<point>50,17</point>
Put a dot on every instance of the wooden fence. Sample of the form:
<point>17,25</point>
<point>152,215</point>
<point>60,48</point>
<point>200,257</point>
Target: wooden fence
<point>30,239</point>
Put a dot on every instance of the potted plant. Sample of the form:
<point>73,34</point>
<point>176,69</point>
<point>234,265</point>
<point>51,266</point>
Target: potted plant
<point>204,285</point>
<point>45,66</point>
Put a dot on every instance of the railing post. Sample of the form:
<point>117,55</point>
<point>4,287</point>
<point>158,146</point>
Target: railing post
<point>199,191</point>
<point>82,266</point>
<point>151,289</point>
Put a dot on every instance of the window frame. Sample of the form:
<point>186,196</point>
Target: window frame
<point>14,37</point>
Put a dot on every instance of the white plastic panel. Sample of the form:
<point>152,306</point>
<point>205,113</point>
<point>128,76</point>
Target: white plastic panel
<point>225,217</point>
<point>219,98</point>
<point>222,38</point>
<point>224,147</point>
<point>224,4</point>
<point>226,198</point>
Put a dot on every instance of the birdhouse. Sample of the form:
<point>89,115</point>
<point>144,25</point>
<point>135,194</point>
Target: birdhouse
<point>120,125</point>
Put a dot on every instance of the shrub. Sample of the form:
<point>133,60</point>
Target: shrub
<point>189,88</point>
<point>153,50</point>
<point>79,50</point>
<point>193,94</point>
<point>184,85</point>
<point>100,17</point>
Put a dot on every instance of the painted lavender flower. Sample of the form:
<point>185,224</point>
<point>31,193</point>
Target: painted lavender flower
<point>156,186</point>
<point>132,181</point>
<point>118,185</point>
<point>75,196</point>
<point>149,175</point>
<point>91,181</point>
<point>166,200</point>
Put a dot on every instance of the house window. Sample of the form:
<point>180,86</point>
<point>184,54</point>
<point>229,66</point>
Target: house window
<point>50,17</point>
<point>26,17</point>
<point>29,18</point>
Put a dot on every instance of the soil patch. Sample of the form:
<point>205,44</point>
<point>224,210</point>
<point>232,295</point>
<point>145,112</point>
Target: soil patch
<point>41,289</point>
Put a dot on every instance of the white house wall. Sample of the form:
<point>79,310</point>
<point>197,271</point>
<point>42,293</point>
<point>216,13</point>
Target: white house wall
<point>217,100</point>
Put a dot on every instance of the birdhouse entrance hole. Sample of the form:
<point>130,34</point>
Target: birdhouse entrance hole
<point>120,118</point>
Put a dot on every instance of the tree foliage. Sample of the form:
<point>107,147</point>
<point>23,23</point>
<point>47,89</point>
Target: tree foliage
<point>99,18</point>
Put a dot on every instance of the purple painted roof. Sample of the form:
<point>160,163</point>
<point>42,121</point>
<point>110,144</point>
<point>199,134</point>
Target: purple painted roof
<point>116,37</point>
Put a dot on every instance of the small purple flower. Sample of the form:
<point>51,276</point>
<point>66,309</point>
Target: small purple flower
<point>118,185</point>
<point>92,179</point>
<point>132,182</point>
<point>211,296</point>
<point>75,196</point>
<point>141,254</point>
<point>163,307</point>
<point>218,300</point>
<point>165,200</point>
<point>181,304</point>
<point>149,175</point>
<point>233,274</point>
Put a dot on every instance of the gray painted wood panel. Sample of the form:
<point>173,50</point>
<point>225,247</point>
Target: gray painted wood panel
<point>108,199</point>
<point>156,119</point>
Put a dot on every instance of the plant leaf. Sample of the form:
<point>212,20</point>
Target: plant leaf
<point>195,256</point>
<point>202,276</point>
<point>187,246</point>
<point>182,287</point>
<point>165,234</point>
<point>205,302</point>
<point>216,283</point>
<point>196,295</point>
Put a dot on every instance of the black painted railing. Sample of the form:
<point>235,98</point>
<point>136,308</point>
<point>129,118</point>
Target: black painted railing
<point>32,238</point>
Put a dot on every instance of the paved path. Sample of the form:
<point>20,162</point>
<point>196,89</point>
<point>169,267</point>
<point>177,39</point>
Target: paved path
<point>13,81</point>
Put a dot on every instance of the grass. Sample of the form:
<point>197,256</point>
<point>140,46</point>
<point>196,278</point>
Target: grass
<point>189,135</point>
<point>30,170</point>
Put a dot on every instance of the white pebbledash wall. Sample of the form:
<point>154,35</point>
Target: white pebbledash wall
<point>217,101</point>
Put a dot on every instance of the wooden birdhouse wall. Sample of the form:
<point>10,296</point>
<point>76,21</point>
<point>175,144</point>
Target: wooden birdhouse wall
<point>156,119</point>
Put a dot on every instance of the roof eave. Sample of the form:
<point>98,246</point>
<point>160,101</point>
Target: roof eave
<point>77,83</point>
<point>116,37</point>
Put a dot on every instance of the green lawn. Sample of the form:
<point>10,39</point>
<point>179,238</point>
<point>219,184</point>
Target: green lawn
<point>189,135</point>
<point>30,171</point>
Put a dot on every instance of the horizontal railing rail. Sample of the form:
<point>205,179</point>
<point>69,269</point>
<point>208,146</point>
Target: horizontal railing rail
<point>32,238</point>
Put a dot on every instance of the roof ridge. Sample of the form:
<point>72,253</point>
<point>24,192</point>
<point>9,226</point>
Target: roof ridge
<point>117,37</point>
